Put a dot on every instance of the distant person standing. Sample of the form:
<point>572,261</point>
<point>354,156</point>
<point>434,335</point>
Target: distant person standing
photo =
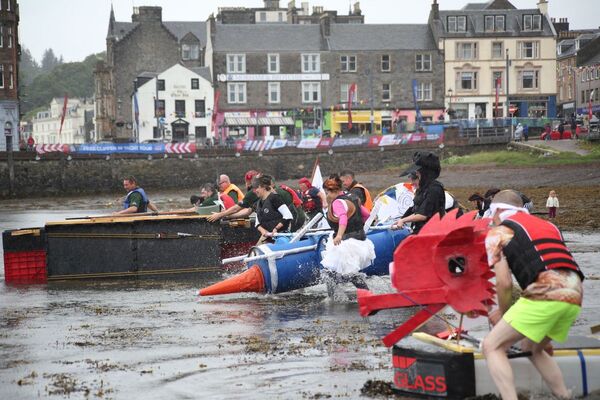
<point>552,204</point>
<point>561,130</point>
<point>525,132</point>
<point>548,132</point>
<point>30,143</point>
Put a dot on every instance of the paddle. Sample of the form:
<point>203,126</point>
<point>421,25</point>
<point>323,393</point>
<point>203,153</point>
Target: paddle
<point>298,235</point>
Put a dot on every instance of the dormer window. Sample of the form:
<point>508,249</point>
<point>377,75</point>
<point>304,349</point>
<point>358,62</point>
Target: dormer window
<point>457,23</point>
<point>532,22</point>
<point>494,23</point>
<point>190,51</point>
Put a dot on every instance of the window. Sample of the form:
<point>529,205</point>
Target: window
<point>1,76</point>
<point>529,49</point>
<point>236,93</point>
<point>11,78</point>
<point>466,51</point>
<point>9,33</point>
<point>190,51</point>
<point>236,63</point>
<point>344,89</point>
<point>263,16</point>
<point>494,23</point>
<point>497,79</point>
<point>160,108</point>
<point>386,92</point>
<point>273,61</point>
<point>311,62</point>
<point>560,93</point>
<point>424,91</point>
<point>200,108</point>
<point>423,62</point>
<point>348,63</point>
<point>385,63</point>
<point>200,132</point>
<point>529,79</point>
<point>8,5</point>
<point>274,92</point>
<point>195,83</point>
<point>497,50</point>
<point>532,22</point>
<point>160,84</point>
<point>466,81</point>
<point>180,108</point>
<point>457,24</point>
<point>1,35</point>
<point>570,91</point>
<point>311,92</point>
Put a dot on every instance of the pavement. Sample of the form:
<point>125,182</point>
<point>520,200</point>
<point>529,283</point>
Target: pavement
<point>565,145</point>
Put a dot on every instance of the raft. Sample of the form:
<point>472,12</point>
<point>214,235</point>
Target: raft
<point>283,267</point>
<point>117,246</point>
<point>457,370</point>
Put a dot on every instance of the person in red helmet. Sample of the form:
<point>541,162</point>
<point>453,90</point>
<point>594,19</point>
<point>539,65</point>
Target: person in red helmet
<point>244,207</point>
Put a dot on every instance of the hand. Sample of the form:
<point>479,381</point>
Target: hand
<point>397,225</point>
<point>274,232</point>
<point>337,240</point>
<point>214,217</point>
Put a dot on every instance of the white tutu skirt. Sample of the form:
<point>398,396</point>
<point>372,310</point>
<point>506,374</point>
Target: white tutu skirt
<point>348,257</point>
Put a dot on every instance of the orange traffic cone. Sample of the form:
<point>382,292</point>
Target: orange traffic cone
<point>251,280</point>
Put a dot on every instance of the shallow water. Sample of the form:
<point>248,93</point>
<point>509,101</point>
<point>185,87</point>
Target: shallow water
<point>155,339</point>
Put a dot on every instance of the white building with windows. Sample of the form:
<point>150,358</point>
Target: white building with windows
<point>484,43</point>
<point>175,106</point>
<point>77,126</point>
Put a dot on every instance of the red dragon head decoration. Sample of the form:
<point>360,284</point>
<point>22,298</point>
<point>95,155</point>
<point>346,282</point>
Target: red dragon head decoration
<point>445,264</point>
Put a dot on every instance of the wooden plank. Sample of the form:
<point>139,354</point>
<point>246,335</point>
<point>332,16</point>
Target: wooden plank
<point>22,232</point>
<point>128,219</point>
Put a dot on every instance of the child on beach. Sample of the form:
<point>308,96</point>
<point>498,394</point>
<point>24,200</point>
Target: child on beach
<point>552,204</point>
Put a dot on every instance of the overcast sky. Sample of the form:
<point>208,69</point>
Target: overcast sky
<point>77,28</point>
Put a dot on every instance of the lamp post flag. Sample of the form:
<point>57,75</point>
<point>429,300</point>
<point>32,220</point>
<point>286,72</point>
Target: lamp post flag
<point>351,92</point>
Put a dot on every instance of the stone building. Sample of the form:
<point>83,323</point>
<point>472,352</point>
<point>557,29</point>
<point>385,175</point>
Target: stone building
<point>271,83</point>
<point>494,42</point>
<point>77,125</point>
<point>10,50</point>
<point>588,80</point>
<point>146,44</point>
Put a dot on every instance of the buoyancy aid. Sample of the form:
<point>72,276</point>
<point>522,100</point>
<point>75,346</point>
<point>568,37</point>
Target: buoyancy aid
<point>237,190</point>
<point>368,200</point>
<point>536,246</point>
<point>311,203</point>
<point>354,229</point>
<point>227,201</point>
<point>142,207</point>
<point>268,215</point>
<point>295,199</point>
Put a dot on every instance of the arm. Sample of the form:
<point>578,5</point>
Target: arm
<point>503,285</point>
<point>323,199</point>
<point>217,216</point>
<point>339,209</point>
<point>130,210</point>
<point>152,207</point>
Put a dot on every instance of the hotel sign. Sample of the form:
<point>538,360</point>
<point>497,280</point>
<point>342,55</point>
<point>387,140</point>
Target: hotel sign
<point>271,77</point>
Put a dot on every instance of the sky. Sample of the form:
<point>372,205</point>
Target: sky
<point>77,28</point>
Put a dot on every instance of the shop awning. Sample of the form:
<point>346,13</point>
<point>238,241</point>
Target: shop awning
<point>262,121</point>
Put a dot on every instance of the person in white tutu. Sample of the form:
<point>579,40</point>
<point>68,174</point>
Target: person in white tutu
<point>348,250</point>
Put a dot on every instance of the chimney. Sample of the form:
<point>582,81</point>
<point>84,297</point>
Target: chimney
<point>435,10</point>
<point>325,22</point>
<point>543,6</point>
<point>357,10</point>
<point>147,14</point>
<point>212,26</point>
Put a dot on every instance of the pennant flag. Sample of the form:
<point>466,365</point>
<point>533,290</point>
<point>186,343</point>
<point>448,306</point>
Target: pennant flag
<point>351,93</point>
<point>418,116</point>
<point>317,178</point>
<point>64,112</point>
<point>215,111</point>
<point>590,114</point>
<point>136,114</point>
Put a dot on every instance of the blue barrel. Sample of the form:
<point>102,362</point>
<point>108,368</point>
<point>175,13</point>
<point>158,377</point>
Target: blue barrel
<point>385,243</point>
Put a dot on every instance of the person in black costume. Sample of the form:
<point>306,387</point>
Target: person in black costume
<point>429,198</point>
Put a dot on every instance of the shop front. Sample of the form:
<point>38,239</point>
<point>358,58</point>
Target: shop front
<point>534,106</point>
<point>253,125</point>
<point>361,122</point>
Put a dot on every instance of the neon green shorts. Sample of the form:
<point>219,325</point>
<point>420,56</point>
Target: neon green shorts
<point>536,319</point>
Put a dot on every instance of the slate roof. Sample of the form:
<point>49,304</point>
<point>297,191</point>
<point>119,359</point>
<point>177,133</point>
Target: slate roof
<point>381,37</point>
<point>267,37</point>
<point>203,72</point>
<point>177,28</point>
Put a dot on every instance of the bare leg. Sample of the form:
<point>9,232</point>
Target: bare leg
<point>547,367</point>
<point>495,345</point>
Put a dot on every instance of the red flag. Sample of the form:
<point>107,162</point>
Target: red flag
<point>64,112</point>
<point>497,90</point>
<point>590,114</point>
<point>351,92</point>
<point>215,111</point>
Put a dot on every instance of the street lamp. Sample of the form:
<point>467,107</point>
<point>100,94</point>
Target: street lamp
<point>449,103</point>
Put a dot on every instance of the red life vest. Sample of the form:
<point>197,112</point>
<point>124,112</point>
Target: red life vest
<point>295,199</point>
<point>537,246</point>
<point>227,201</point>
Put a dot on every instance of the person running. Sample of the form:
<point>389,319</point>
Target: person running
<point>272,214</point>
<point>313,199</point>
<point>348,250</point>
<point>352,186</point>
<point>136,200</point>
<point>228,188</point>
<point>430,197</point>
<point>534,251</point>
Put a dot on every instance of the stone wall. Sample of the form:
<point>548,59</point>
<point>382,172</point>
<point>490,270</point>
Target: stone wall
<point>57,175</point>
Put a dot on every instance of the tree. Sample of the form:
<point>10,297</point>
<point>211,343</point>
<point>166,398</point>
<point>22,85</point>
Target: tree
<point>49,60</point>
<point>28,67</point>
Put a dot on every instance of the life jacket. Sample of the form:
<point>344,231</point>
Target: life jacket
<point>227,201</point>
<point>295,199</point>
<point>354,229</point>
<point>368,200</point>
<point>537,246</point>
<point>268,216</point>
<point>232,187</point>
<point>311,203</point>
<point>143,207</point>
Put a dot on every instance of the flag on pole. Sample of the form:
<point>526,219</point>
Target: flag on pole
<point>497,91</point>
<point>590,114</point>
<point>136,113</point>
<point>215,111</point>
<point>317,177</point>
<point>351,92</point>
<point>418,116</point>
<point>64,112</point>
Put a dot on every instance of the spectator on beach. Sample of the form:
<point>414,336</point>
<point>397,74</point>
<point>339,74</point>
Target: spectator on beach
<point>526,132</point>
<point>552,204</point>
<point>548,132</point>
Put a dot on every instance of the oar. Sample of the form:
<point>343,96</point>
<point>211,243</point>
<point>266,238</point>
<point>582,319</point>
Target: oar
<point>372,216</point>
<point>306,227</point>
<point>319,233</point>
<point>275,254</point>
